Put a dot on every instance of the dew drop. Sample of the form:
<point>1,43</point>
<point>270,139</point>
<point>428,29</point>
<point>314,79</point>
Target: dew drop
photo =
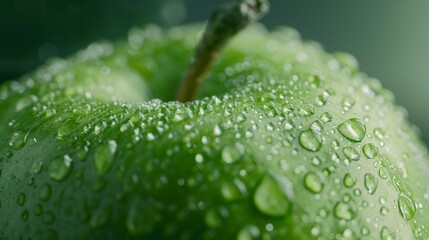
<point>343,211</point>
<point>249,232</point>
<point>407,208</point>
<point>9,154</point>
<point>18,140</point>
<point>37,167</point>
<point>45,192</point>
<point>104,156</point>
<point>231,154</point>
<point>382,172</point>
<point>309,141</point>
<point>66,129</point>
<point>38,210</point>
<point>24,216</point>
<point>21,199</point>
<point>233,190</point>
<point>370,150</point>
<point>316,126</point>
<point>386,234</point>
<point>349,181</point>
<point>273,196</point>
<point>48,218</point>
<point>60,169</point>
<point>384,211</point>
<point>370,183</point>
<point>213,219</point>
<point>306,110</point>
<point>326,117</point>
<point>379,133</point>
<point>313,183</point>
<point>351,153</point>
<point>353,129</point>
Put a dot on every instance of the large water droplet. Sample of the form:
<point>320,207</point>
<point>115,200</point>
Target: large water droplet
<point>343,211</point>
<point>309,141</point>
<point>18,140</point>
<point>104,156</point>
<point>386,234</point>
<point>370,183</point>
<point>313,183</point>
<point>60,169</point>
<point>407,208</point>
<point>370,150</point>
<point>353,129</point>
<point>273,196</point>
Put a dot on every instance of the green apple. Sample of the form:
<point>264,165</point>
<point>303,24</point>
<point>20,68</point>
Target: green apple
<point>282,141</point>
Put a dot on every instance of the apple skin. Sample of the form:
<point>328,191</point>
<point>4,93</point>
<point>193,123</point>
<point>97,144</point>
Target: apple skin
<point>285,141</point>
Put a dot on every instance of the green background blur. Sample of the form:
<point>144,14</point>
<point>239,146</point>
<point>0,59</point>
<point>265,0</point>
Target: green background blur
<point>390,38</point>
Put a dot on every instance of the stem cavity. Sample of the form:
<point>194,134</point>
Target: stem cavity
<point>223,24</point>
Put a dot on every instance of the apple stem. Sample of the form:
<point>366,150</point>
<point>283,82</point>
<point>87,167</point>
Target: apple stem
<point>224,23</point>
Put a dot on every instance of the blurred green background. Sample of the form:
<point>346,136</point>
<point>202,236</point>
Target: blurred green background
<point>390,38</point>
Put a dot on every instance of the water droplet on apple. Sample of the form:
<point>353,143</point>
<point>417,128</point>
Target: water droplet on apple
<point>37,167</point>
<point>379,133</point>
<point>370,183</point>
<point>249,232</point>
<point>231,154</point>
<point>45,192</point>
<point>9,154</point>
<point>67,129</point>
<point>213,219</point>
<point>386,234</point>
<point>384,211</point>
<point>48,217</point>
<point>326,117</point>
<point>38,210</point>
<point>313,183</point>
<point>349,181</point>
<point>60,169</point>
<point>407,208</point>
<point>18,140</point>
<point>21,199</point>
<point>273,196</point>
<point>233,190</point>
<point>370,150</point>
<point>343,211</point>
<point>351,153</point>
<point>104,156</point>
<point>25,215</point>
<point>309,141</point>
<point>306,110</point>
<point>353,130</point>
<point>316,126</point>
